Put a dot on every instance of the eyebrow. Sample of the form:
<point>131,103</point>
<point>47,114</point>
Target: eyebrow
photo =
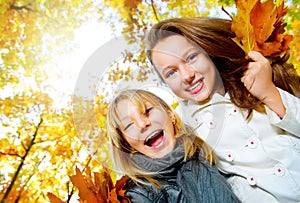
<point>185,53</point>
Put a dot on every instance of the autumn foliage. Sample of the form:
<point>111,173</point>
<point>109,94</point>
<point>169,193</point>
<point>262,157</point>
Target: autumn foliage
<point>259,26</point>
<point>99,190</point>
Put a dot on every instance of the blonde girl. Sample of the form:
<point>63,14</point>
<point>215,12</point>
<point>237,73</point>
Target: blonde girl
<point>164,158</point>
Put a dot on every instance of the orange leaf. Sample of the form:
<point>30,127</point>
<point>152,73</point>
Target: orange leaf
<point>89,180</point>
<point>121,182</point>
<point>120,191</point>
<point>131,3</point>
<point>112,196</point>
<point>84,192</point>
<point>109,181</point>
<point>53,198</point>
<point>101,186</point>
<point>262,18</point>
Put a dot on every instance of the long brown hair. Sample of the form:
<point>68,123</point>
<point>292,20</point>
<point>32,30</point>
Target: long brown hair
<point>215,37</point>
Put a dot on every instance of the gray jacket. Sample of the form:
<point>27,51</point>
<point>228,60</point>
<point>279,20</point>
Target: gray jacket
<point>192,181</point>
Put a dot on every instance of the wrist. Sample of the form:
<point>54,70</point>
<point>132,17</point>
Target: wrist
<point>274,102</point>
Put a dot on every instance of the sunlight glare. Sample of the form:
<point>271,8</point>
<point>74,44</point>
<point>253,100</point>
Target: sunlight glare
<point>87,39</point>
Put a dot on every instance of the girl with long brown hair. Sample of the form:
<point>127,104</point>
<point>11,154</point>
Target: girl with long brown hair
<point>245,107</point>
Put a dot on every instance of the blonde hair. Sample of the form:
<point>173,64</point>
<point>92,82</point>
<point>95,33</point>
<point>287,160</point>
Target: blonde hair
<point>122,150</point>
<point>214,35</point>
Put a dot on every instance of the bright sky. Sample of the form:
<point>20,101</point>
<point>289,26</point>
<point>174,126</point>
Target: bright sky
<point>88,38</point>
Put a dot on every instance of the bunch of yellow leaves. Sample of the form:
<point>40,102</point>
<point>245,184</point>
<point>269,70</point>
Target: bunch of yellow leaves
<point>259,26</point>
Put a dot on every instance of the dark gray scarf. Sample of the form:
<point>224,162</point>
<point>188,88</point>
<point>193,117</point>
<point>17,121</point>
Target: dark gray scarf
<point>165,167</point>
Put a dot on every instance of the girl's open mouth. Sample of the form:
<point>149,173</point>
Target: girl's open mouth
<point>155,139</point>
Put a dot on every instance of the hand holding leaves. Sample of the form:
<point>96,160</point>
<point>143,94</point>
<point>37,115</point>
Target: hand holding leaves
<point>258,80</point>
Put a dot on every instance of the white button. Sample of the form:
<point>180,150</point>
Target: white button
<point>252,142</point>
<point>233,111</point>
<point>229,156</point>
<point>210,124</point>
<point>279,170</point>
<point>251,180</point>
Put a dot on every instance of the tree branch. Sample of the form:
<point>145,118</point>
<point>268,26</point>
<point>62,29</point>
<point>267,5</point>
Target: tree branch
<point>70,193</point>
<point>10,154</point>
<point>154,11</point>
<point>22,163</point>
<point>20,8</point>
<point>23,145</point>
<point>28,179</point>
<point>223,9</point>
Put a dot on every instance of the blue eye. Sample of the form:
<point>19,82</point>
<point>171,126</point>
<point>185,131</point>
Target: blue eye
<point>170,73</point>
<point>191,57</point>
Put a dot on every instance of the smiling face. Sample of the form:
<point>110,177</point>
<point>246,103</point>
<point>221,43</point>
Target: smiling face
<point>186,69</point>
<point>148,129</point>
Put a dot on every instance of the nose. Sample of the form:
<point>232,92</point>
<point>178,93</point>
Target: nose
<point>143,122</point>
<point>187,73</point>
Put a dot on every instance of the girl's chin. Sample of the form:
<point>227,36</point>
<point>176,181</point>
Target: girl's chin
<point>202,97</point>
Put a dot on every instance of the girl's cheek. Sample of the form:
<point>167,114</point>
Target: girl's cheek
<point>131,136</point>
<point>175,87</point>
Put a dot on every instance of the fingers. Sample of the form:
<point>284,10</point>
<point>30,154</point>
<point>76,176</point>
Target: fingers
<point>248,81</point>
<point>254,68</point>
<point>257,56</point>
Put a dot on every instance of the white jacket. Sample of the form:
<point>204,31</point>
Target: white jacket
<point>263,154</point>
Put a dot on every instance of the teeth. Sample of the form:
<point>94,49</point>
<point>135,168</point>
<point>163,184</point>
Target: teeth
<point>195,86</point>
<point>147,141</point>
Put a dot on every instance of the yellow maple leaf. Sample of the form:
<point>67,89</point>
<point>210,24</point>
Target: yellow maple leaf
<point>259,26</point>
<point>241,25</point>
